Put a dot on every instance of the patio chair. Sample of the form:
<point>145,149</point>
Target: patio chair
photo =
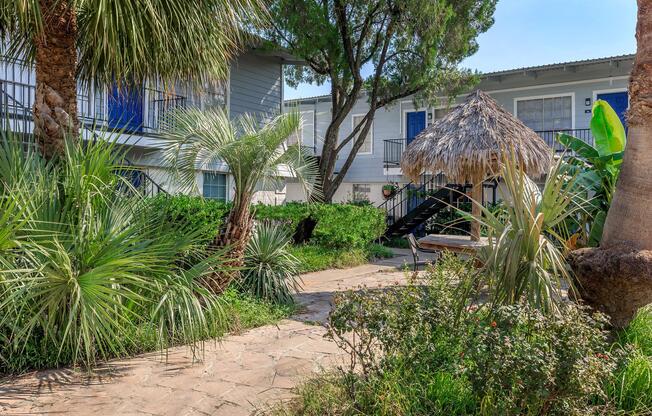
<point>416,249</point>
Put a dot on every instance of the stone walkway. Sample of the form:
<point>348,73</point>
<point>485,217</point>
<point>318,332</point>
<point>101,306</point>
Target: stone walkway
<point>237,376</point>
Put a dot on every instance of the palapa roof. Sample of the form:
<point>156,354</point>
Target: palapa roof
<point>468,143</point>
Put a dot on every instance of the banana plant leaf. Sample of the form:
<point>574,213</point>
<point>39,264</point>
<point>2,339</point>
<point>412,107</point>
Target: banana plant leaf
<point>578,146</point>
<point>595,235</point>
<point>607,130</point>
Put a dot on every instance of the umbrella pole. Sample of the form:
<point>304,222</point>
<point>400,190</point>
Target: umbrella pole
<point>476,195</point>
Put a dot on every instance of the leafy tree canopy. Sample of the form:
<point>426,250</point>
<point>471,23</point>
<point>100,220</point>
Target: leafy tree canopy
<point>388,49</point>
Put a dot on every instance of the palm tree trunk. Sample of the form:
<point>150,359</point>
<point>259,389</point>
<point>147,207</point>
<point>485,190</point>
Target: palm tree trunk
<point>55,106</point>
<point>629,220</point>
<point>233,236</point>
<point>617,277</point>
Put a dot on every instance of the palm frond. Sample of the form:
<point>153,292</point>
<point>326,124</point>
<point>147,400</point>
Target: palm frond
<point>166,40</point>
<point>254,155</point>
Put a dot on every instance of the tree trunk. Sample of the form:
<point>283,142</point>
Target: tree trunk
<point>55,105</point>
<point>327,163</point>
<point>234,235</point>
<point>617,277</point>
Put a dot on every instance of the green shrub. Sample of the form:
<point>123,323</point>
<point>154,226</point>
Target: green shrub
<point>347,226</point>
<point>522,362</point>
<point>338,225</point>
<point>207,215</point>
<point>93,265</point>
<point>421,350</point>
<point>271,271</point>
<point>290,213</point>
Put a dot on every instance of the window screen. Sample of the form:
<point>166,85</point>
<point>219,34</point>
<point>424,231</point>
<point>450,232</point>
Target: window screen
<point>554,113</point>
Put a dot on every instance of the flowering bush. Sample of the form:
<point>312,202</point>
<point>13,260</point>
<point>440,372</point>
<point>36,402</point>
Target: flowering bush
<point>521,362</point>
<point>415,343</point>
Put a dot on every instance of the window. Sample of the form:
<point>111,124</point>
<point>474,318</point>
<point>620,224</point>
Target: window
<point>367,146</point>
<point>361,192</point>
<point>215,186</point>
<point>550,113</point>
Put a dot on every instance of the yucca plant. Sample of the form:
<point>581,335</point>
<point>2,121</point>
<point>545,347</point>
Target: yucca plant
<point>525,257</point>
<point>85,264</point>
<point>271,271</point>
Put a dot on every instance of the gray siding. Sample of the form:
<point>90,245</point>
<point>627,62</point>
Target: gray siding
<point>583,82</point>
<point>255,86</point>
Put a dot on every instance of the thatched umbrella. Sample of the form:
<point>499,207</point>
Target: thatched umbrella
<point>469,143</point>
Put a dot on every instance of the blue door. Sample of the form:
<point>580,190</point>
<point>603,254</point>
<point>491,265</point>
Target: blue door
<point>416,121</point>
<point>125,108</point>
<point>617,101</point>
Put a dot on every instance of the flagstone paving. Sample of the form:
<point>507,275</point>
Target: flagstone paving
<point>239,375</point>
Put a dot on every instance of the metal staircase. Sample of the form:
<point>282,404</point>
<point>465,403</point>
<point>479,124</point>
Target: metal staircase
<point>18,117</point>
<point>412,205</point>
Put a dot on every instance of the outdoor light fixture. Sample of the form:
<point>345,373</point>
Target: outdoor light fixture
<point>587,101</point>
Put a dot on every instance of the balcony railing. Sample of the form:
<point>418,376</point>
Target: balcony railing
<point>17,93</point>
<point>550,137</point>
<point>393,148</point>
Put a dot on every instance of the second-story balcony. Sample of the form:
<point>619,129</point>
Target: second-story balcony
<point>393,148</point>
<point>136,110</point>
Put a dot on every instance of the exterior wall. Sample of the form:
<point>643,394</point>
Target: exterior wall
<point>255,86</point>
<point>581,82</point>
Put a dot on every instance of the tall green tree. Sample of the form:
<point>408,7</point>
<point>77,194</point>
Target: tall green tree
<point>99,42</point>
<point>384,49</point>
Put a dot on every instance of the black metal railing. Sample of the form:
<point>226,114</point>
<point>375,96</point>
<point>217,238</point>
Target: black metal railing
<point>392,152</point>
<point>17,116</point>
<point>18,87</point>
<point>393,148</point>
<point>550,137</point>
<point>410,196</point>
<point>160,104</point>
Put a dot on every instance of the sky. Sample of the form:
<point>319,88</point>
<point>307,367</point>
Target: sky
<point>540,32</point>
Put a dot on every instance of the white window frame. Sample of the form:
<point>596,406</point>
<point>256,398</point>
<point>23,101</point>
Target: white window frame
<point>371,133</point>
<point>610,90</point>
<point>451,107</point>
<point>539,97</point>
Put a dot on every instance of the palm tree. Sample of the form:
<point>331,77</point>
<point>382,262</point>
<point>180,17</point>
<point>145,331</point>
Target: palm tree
<point>617,277</point>
<point>256,157</point>
<point>98,43</point>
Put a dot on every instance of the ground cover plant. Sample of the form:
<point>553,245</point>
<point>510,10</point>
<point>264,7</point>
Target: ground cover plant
<point>313,257</point>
